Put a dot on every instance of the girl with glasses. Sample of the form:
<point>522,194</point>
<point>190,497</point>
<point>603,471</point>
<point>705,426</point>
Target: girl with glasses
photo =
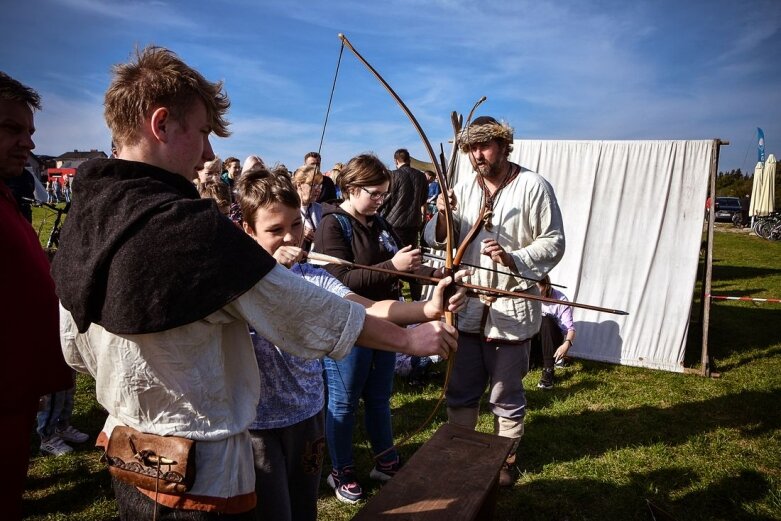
<point>355,232</point>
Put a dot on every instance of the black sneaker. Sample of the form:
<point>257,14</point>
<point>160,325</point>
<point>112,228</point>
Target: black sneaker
<point>546,380</point>
<point>345,485</point>
<point>385,471</point>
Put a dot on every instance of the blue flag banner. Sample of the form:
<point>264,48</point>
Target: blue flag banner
<point>760,145</point>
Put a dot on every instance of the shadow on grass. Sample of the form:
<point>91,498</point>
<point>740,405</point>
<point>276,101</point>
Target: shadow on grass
<point>593,433</point>
<point>723,274</point>
<point>592,376</point>
<point>737,349</point>
<point>584,499</point>
<point>45,495</point>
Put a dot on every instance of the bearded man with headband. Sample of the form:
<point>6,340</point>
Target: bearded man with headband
<point>521,231</point>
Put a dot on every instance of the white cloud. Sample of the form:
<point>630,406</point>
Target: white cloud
<point>561,69</point>
<point>154,12</point>
<point>65,124</point>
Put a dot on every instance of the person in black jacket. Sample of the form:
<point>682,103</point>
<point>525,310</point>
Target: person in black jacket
<point>328,190</point>
<point>404,207</point>
<point>23,188</point>
<point>354,232</point>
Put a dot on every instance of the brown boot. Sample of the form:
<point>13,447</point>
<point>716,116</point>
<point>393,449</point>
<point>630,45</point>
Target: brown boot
<point>508,474</point>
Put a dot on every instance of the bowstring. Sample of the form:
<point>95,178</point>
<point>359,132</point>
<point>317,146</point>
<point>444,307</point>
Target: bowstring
<point>330,98</point>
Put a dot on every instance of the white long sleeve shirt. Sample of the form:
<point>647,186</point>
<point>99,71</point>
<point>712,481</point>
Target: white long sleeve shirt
<point>527,223</point>
<point>200,380</point>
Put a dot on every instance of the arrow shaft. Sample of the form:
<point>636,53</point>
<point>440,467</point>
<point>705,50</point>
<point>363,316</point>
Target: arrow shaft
<point>319,257</point>
<point>500,272</point>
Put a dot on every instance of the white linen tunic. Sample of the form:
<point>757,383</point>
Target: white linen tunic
<point>200,380</point>
<point>527,223</point>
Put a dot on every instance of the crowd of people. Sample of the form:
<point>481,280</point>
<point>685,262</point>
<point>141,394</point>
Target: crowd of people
<point>181,285</point>
<point>58,189</point>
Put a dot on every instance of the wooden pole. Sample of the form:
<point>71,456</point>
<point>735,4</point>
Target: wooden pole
<point>705,369</point>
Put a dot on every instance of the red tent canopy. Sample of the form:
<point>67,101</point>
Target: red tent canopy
<point>59,173</point>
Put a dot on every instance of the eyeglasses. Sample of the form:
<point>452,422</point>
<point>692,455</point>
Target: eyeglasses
<point>376,196</point>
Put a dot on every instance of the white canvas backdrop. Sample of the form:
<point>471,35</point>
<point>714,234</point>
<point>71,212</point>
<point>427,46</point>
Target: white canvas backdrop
<point>633,215</point>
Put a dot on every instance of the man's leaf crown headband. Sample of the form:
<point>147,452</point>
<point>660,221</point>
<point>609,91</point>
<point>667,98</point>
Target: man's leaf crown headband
<point>482,130</point>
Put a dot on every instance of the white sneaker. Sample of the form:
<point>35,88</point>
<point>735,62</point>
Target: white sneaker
<point>55,446</point>
<point>71,434</point>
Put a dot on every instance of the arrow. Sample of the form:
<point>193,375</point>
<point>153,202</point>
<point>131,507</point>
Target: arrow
<point>320,258</point>
<point>500,272</point>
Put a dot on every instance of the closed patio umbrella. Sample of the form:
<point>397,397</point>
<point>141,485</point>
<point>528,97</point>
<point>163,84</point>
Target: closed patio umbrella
<point>763,189</point>
<point>770,180</point>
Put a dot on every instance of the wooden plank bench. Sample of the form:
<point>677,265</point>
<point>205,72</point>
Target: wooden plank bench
<point>453,477</point>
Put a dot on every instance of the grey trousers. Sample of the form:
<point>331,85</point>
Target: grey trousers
<point>500,367</point>
<point>288,462</point>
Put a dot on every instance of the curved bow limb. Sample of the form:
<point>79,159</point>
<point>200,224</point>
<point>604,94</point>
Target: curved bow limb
<point>475,229</point>
<point>438,169</point>
<point>450,318</point>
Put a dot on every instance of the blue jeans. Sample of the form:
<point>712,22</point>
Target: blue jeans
<point>368,374</point>
<point>56,411</point>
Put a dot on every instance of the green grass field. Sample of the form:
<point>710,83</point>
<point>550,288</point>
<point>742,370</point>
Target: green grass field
<point>605,441</point>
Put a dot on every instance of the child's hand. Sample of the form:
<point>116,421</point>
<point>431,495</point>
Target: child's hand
<point>458,301</point>
<point>432,338</point>
<point>434,308</point>
<point>407,259</point>
<point>309,233</point>
<point>289,255</point>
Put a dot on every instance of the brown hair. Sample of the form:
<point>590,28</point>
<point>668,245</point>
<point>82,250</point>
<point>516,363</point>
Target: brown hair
<point>307,175</point>
<point>281,169</point>
<point>363,170</point>
<point>545,287</point>
<point>212,167</point>
<point>13,90</point>
<point>260,188</point>
<point>158,77</point>
<point>230,160</point>
<point>402,156</point>
<point>217,190</point>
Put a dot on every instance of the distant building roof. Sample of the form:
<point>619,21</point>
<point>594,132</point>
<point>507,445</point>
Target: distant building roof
<point>36,159</point>
<point>77,154</point>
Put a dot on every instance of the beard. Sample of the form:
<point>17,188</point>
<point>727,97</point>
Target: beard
<point>490,170</point>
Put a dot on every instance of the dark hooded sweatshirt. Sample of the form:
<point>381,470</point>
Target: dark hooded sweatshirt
<point>366,247</point>
<point>140,252</point>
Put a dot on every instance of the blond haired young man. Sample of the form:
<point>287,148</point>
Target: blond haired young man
<point>157,289</point>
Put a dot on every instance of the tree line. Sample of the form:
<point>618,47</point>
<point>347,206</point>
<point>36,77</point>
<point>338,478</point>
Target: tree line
<point>734,183</point>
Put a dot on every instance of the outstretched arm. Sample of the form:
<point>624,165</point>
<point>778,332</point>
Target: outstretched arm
<point>427,339</point>
<point>414,312</point>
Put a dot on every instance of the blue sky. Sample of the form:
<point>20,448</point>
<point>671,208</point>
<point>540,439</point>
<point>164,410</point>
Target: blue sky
<point>591,69</point>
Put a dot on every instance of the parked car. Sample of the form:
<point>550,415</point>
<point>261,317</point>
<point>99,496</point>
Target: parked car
<point>726,207</point>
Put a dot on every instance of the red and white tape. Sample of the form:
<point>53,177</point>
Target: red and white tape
<point>750,299</point>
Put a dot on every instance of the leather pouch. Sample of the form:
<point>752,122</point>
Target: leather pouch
<point>156,463</point>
